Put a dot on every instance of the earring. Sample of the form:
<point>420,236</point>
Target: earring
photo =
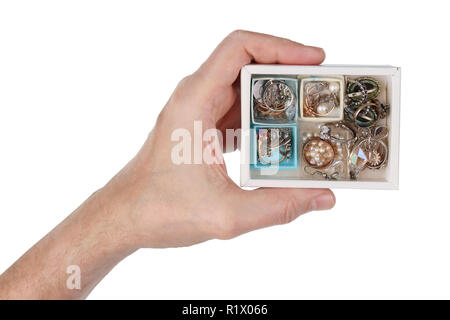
<point>371,152</point>
<point>274,145</point>
<point>320,98</point>
<point>334,175</point>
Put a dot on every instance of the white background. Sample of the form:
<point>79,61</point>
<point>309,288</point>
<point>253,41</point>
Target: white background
<point>81,84</point>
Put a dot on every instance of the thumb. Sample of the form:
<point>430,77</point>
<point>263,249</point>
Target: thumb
<point>266,207</point>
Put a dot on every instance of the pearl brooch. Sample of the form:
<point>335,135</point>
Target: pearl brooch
<point>318,157</point>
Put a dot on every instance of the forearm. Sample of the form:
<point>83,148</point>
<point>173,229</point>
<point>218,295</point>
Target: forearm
<point>89,239</point>
<point>160,202</point>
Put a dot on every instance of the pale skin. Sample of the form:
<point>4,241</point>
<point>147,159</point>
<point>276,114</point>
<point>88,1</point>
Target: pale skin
<point>154,203</point>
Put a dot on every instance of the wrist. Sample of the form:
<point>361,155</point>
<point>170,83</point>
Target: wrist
<point>105,219</point>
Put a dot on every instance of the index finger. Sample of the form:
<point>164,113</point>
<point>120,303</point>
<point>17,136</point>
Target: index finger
<point>243,47</point>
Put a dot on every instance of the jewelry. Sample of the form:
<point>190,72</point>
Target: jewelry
<point>371,152</point>
<point>269,111</point>
<point>274,145</point>
<point>318,153</point>
<point>361,107</point>
<point>329,165</point>
<point>335,175</point>
<point>362,89</point>
<point>273,99</point>
<point>324,151</point>
<point>347,138</point>
<point>362,93</point>
<point>277,94</point>
<point>378,150</point>
<point>367,114</point>
<point>321,98</point>
<point>325,133</point>
<point>374,159</point>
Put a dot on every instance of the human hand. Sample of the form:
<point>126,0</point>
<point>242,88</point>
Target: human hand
<point>157,203</point>
<point>154,202</point>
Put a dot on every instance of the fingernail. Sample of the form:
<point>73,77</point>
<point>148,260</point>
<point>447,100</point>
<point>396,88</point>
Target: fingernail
<point>323,52</point>
<point>318,52</point>
<point>317,48</point>
<point>324,201</point>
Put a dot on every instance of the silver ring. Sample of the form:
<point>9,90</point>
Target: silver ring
<point>276,94</point>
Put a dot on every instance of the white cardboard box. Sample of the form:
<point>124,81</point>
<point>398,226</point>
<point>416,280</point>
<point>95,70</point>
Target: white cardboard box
<point>389,176</point>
